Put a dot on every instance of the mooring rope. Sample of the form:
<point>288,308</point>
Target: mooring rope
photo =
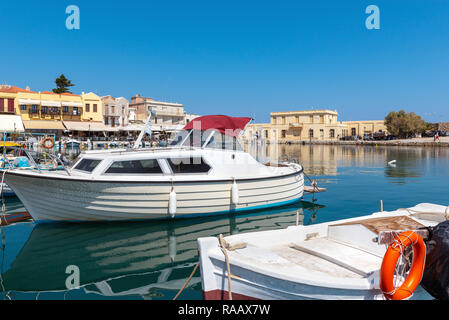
<point>3,197</point>
<point>187,282</point>
<point>228,267</point>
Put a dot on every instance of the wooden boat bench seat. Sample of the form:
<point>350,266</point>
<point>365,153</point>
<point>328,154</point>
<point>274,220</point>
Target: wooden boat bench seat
<point>356,260</point>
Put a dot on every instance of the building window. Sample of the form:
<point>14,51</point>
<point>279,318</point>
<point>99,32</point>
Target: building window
<point>87,107</point>
<point>135,167</point>
<point>34,109</point>
<point>65,109</point>
<point>75,111</point>
<point>23,107</point>
<point>44,110</point>
<point>188,165</point>
<point>2,105</point>
<point>95,108</point>
<point>332,133</point>
<point>310,133</point>
<point>11,105</point>
<point>353,132</point>
<point>283,133</point>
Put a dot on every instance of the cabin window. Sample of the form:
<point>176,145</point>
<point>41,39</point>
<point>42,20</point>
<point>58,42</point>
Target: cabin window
<point>87,165</point>
<point>221,141</point>
<point>188,165</point>
<point>135,166</point>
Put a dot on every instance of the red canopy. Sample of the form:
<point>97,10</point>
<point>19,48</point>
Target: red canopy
<point>224,124</point>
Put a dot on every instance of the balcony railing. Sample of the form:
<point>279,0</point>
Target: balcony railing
<point>72,113</point>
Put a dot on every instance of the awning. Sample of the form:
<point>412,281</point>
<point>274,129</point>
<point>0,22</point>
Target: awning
<point>50,103</point>
<point>87,126</point>
<point>71,104</point>
<point>133,127</point>
<point>224,124</point>
<point>43,125</point>
<point>173,128</point>
<point>111,129</point>
<point>11,123</point>
<point>29,102</point>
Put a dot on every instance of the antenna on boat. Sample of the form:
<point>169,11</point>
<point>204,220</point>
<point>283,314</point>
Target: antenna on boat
<point>146,129</point>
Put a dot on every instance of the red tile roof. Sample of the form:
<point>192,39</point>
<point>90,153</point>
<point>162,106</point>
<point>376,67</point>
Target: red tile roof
<point>14,89</point>
<point>64,94</point>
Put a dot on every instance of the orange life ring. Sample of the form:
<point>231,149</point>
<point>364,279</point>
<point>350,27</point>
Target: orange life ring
<point>45,145</point>
<point>390,260</point>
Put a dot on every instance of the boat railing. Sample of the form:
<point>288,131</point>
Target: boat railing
<point>32,155</point>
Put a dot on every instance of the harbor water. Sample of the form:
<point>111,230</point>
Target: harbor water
<point>152,260</point>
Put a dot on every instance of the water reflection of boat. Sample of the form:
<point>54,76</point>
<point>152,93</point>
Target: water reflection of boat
<point>125,259</point>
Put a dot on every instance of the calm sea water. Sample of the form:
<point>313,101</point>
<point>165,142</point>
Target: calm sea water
<point>152,260</point>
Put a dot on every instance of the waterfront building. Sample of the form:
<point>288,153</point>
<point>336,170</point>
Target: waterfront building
<point>310,125</point>
<point>115,111</point>
<point>190,117</point>
<point>166,116</point>
<point>47,112</point>
<point>359,128</point>
<point>9,120</point>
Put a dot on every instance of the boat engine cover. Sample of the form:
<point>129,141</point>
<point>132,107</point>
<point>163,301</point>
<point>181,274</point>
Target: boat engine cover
<point>436,273</point>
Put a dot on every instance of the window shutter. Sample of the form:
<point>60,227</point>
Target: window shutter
<point>11,105</point>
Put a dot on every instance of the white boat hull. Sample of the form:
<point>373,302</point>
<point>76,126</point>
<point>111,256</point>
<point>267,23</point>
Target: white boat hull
<point>56,199</point>
<point>332,261</point>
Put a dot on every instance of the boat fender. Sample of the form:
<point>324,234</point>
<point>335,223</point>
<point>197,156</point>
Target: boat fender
<point>387,269</point>
<point>172,203</point>
<point>235,193</point>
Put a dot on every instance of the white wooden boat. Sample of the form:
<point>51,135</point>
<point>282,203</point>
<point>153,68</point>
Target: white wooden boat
<point>333,260</point>
<point>205,171</point>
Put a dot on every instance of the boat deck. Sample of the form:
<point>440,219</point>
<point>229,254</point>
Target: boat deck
<point>337,254</point>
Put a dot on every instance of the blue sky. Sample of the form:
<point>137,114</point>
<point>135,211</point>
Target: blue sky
<point>241,58</point>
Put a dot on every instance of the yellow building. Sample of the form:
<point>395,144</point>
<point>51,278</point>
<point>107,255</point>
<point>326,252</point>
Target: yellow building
<point>310,125</point>
<point>49,112</point>
<point>359,128</point>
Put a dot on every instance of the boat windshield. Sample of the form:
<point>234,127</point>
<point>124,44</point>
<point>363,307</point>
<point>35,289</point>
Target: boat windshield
<point>206,139</point>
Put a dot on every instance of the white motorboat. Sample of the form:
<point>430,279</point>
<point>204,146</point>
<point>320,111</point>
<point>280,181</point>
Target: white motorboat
<point>205,171</point>
<point>333,260</point>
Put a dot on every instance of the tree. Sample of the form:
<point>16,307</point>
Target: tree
<point>404,125</point>
<point>62,84</point>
